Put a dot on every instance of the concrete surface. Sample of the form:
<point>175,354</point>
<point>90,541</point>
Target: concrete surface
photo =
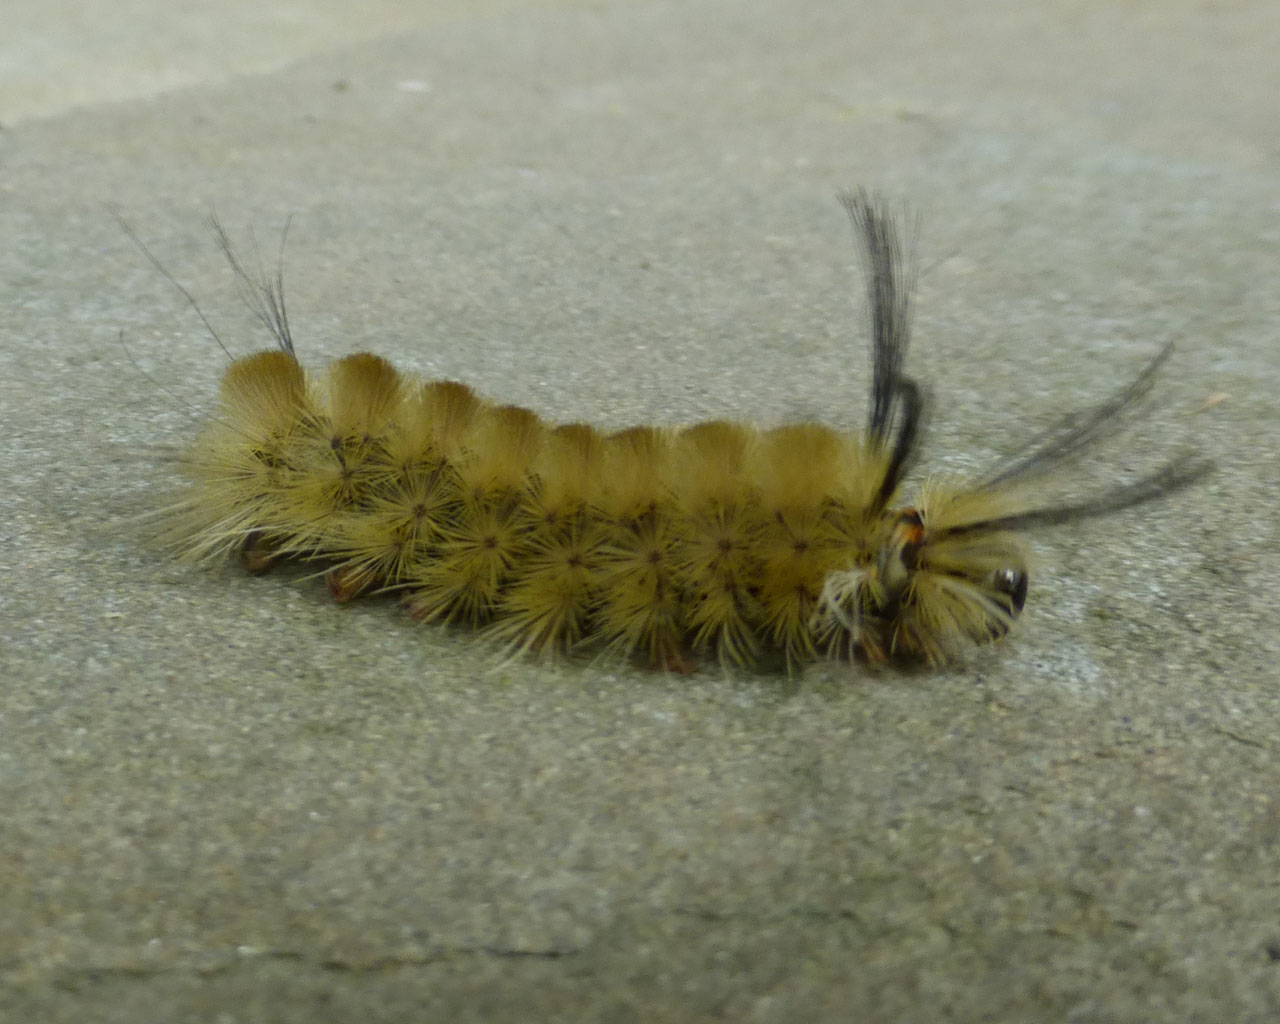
<point>227,800</point>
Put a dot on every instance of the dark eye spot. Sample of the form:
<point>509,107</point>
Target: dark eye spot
<point>1012,582</point>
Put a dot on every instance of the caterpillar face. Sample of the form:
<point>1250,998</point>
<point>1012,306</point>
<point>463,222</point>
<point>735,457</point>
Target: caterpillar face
<point>925,590</point>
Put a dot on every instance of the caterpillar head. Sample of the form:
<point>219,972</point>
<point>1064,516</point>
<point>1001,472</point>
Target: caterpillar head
<point>931,584</point>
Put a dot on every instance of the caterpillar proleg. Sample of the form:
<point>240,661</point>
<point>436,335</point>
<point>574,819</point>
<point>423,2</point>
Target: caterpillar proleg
<point>718,539</point>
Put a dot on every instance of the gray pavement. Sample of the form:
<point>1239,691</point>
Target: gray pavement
<point>225,799</point>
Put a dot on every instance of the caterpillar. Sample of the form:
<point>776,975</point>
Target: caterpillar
<point>669,544</point>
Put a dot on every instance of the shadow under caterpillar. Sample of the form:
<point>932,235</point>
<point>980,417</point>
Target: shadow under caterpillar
<point>718,538</point>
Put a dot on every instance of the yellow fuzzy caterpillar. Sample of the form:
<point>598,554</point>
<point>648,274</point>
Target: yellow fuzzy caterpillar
<point>719,539</point>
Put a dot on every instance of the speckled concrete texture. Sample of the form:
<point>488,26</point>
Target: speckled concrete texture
<point>225,799</point>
